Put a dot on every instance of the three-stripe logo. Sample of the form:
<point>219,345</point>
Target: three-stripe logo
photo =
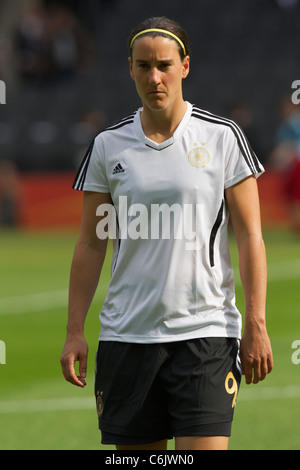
<point>118,169</point>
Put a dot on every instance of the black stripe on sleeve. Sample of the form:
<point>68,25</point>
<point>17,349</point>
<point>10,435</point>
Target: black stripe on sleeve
<point>120,124</point>
<point>214,234</point>
<point>81,174</point>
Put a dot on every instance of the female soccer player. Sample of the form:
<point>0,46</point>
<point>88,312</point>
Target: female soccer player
<point>168,358</point>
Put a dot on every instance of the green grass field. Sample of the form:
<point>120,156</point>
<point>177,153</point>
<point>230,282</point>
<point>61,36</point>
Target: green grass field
<point>39,410</point>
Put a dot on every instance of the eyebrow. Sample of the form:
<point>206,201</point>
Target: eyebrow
<point>159,61</point>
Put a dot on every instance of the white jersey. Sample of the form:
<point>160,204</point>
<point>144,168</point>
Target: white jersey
<point>172,277</point>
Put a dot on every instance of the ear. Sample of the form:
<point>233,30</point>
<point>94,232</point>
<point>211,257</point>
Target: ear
<point>185,66</point>
<point>131,68</point>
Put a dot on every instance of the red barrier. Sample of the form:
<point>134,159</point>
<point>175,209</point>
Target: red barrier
<point>48,201</point>
<point>273,201</point>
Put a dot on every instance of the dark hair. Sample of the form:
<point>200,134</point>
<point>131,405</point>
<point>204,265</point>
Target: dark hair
<point>162,22</point>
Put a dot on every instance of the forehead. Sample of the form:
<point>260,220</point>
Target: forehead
<point>155,46</point>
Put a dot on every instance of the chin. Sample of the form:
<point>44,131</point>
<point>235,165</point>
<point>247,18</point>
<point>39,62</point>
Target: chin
<point>157,105</point>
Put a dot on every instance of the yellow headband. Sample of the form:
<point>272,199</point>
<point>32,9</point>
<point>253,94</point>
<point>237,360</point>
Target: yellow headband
<point>155,30</point>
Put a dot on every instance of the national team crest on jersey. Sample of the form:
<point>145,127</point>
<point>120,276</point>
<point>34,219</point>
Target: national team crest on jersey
<point>100,404</point>
<point>199,157</point>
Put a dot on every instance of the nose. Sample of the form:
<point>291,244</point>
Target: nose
<point>154,78</point>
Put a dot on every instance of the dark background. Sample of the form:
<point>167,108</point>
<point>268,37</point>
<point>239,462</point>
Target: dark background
<point>66,70</point>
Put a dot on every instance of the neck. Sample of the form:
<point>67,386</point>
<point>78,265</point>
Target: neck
<point>160,125</point>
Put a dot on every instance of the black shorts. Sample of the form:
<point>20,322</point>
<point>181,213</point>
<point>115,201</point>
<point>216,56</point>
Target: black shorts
<point>149,392</point>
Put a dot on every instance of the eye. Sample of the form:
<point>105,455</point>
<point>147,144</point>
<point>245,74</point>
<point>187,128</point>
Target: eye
<point>165,66</point>
<point>143,66</point>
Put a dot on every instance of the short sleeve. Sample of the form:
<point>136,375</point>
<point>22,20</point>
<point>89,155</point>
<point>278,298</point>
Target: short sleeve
<point>240,159</point>
<point>91,175</point>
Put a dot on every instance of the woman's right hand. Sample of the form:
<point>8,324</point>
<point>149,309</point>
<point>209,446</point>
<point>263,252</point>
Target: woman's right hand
<point>75,350</point>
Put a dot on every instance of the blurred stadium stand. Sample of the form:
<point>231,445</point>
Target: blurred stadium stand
<point>244,53</point>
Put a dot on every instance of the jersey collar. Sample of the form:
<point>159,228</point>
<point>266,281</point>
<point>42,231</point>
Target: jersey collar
<point>167,143</point>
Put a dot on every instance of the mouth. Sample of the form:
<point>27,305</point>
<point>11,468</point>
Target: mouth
<point>156,93</point>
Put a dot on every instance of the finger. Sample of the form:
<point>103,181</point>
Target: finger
<point>78,381</point>
<point>68,366</point>
<point>257,372</point>
<point>270,364</point>
<point>247,371</point>
<point>264,369</point>
<point>82,366</point>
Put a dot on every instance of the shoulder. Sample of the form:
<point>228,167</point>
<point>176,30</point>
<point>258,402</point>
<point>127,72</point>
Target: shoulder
<point>232,136</point>
<point>120,128</point>
<point>116,137</point>
<point>218,122</point>
<point>230,131</point>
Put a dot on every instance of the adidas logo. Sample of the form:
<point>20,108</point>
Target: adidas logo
<point>118,169</point>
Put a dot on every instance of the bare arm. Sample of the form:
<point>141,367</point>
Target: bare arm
<point>243,204</point>
<point>86,267</point>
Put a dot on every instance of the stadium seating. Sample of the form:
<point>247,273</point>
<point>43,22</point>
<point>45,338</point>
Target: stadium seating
<point>240,50</point>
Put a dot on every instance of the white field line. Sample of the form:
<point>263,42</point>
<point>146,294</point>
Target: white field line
<point>52,404</point>
<point>257,393</point>
<point>28,303</point>
<point>44,301</point>
<point>88,403</point>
